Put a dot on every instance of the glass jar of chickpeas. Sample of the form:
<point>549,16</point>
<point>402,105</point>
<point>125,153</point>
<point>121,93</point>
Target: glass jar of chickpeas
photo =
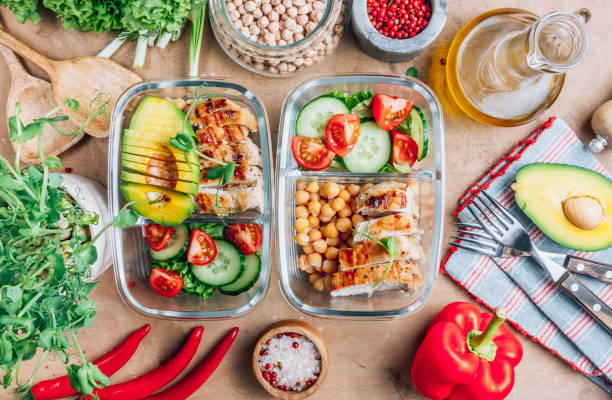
<point>325,215</point>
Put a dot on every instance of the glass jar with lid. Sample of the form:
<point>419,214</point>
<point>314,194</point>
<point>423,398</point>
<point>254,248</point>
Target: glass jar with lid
<point>258,35</point>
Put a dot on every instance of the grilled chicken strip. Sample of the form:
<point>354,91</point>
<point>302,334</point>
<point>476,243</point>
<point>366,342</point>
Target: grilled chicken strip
<point>370,253</point>
<point>219,111</point>
<point>244,175</point>
<point>212,136</point>
<point>232,199</point>
<point>386,198</point>
<point>240,153</point>
<point>403,275</point>
<point>391,225</point>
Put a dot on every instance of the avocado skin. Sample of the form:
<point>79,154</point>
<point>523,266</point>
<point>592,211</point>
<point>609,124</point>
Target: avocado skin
<point>540,178</point>
<point>170,213</point>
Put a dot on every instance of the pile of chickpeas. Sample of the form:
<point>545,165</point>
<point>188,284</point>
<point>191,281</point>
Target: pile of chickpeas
<point>325,214</point>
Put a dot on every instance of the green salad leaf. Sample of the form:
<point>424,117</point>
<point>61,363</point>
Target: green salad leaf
<point>87,15</point>
<point>352,100</point>
<point>23,9</point>
<point>191,284</point>
<point>214,229</point>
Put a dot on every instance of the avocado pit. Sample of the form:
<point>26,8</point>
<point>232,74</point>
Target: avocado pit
<point>585,212</point>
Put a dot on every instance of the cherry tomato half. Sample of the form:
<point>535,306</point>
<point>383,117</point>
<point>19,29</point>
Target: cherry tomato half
<point>311,154</point>
<point>247,237</point>
<point>202,249</point>
<point>342,132</point>
<point>390,111</point>
<point>157,236</point>
<point>405,149</point>
<point>165,282</point>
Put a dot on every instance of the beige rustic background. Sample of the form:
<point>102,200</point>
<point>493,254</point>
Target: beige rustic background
<point>369,360</point>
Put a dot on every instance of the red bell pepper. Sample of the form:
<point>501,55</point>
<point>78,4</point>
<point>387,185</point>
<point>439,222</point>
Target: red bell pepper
<point>466,355</point>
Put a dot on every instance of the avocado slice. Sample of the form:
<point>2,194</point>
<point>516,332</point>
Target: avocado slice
<point>542,189</point>
<point>171,209</point>
<point>171,163</point>
<point>160,115</point>
<point>161,169</point>
<point>158,151</point>
<point>180,186</point>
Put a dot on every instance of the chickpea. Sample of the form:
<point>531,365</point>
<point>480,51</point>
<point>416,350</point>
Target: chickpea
<point>313,220</point>
<point>345,212</point>
<point>337,204</point>
<point>357,218</point>
<point>308,249</point>
<point>344,195</point>
<point>341,187</point>
<point>325,219</point>
<point>330,230</point>
<point>329,266</point>
<point>312,278</point>
<point>320,246</point>
<point>312,187</point>
<point>353,189</point>
<point>331,190</point>
<point>332,241</point>
<point>314,207</point>
<point>301,238</point>
<point>301,197</point>
<point>315,260</point>
<point>300,185</point>
<point>327,210</point>
<point>301,212</point>
<point>331,253</point>
<point>301,224</point>
<point>302,264</point>
<point>319,285</point>
<point>314,235</point>
<point>366,187</point>
<point>343,225</point>
<point>315,197</point>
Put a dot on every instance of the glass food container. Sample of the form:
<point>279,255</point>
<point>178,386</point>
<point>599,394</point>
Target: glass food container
<point>131,258</point>
<point>428,181</point>
<point>276,61</point>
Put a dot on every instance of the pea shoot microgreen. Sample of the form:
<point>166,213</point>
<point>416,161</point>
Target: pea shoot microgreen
<point>46,251</point>
<point>390,245</point>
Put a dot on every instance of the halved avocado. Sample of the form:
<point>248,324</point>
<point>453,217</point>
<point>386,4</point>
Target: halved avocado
<point>158,151</point>
<point>180,186</point>
<point>160,115</point>
<point>149,136</point>
<point>542,190</point>
<point>178,165</point>
<point>171,209</point>
<point>161,169</point>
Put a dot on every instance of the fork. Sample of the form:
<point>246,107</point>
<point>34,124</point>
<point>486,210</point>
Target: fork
<point>482,243</point>
<point>508,231</point>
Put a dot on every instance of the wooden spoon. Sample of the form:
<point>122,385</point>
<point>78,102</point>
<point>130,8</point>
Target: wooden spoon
<point>81,79</point>
<point>36,99</point>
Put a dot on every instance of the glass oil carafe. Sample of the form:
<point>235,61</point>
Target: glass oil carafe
<point>507,66</point>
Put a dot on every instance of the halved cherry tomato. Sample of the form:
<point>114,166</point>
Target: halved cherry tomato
<point>202,249</point>
<point>247,237</point>
<point>311,154</point>
<point>342,132</point>
<point>405,149</point>
<point>390,111</point>
<point>165,282</point>
<point>157,236</point>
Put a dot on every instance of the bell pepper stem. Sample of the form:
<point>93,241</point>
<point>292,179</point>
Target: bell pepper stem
<point>481,341</point>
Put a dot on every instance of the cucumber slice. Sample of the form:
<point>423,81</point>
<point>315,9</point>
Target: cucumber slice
<point>225,268</point>
<point>372,150</point>
<point>314,116</point>
<point>247,279</point>
<point>363,109</point>
<point>418,131</point>
<point>176,247</point>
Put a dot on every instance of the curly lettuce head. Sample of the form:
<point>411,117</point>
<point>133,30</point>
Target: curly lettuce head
<point>162,15</point>
<point>87,15</point>
<point>23,9</point>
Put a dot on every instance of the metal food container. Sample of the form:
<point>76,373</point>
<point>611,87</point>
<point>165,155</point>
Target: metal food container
<point>131,258</point>
<point>429,180</point>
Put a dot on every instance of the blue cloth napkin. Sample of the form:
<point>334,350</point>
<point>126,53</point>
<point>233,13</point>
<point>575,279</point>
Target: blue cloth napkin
<point>535,304</point>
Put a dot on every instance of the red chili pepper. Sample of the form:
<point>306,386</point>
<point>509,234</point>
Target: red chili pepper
<point>109,363</point>
<point>155,379</point>
<point>196,378</point>
<point>466,355</point>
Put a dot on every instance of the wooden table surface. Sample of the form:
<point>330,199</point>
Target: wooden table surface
<point>369,360</point>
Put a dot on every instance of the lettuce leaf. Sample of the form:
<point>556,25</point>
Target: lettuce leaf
<point>87,15</point>
<point>215,230</point>
<point>192,285</point>
<point>23,9</point>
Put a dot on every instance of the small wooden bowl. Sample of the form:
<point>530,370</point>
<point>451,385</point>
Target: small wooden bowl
<point>301,328</point>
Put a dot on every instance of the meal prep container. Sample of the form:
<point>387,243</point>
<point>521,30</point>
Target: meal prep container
<point>131,258</point>
<point>278,61</point>
<point>429,198</point>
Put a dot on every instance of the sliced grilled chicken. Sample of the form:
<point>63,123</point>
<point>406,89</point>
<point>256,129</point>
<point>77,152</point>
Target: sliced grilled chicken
<point>391,225</point>
<point>240,153</point>
<point>370,253</point>
<point>244,175</point>
<point>403,275</point>
<point>230,200</point>
<point>386,198</point>
<point>215,135</point>
<point>220,112</point>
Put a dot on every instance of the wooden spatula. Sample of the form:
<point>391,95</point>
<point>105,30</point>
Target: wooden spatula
<point>36,99</point>
<point>80,79</point>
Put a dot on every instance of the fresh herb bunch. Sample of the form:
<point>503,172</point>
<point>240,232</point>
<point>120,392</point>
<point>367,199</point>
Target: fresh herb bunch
<point>46,251</point>
<point>23,9</point>
<point>87,15</point>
